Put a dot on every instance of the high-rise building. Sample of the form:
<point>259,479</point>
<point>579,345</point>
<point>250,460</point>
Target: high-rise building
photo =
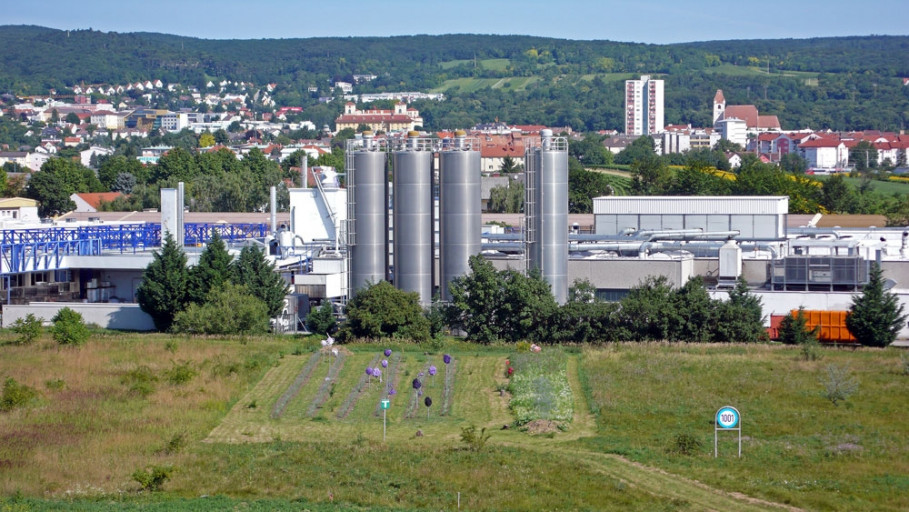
<point>643,106</point>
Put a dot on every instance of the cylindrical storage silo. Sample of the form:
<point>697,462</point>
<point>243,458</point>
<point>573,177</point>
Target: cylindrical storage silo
<point>412,210</point>
<point>547,212</point>
<point>367,217</point>
<point>460,222</point>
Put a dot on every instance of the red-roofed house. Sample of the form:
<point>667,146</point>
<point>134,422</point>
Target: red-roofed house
<point>399,119</point>
<point>494,149</point>
<point>90,202</point>
<point>827,152</point>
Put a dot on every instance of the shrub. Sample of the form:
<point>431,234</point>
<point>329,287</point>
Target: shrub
<point>230,309</point>
<point>685,443</point>
<point>69,328</point>
<point>140,381</point>
<point>16,395</point>
<point>839,384</point>
<point>152,478</point>
<point>175,444</point>
<point>28,329</point>
<point>794,329</point>
<point>474,440</point>
<point>180,373</point>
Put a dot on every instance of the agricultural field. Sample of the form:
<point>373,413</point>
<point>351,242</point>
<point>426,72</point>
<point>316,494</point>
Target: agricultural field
<point>286,424</point>
<point>515,83</point>
<point>887,188</point>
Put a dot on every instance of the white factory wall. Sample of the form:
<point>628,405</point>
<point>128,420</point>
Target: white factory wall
<point>111,316</point>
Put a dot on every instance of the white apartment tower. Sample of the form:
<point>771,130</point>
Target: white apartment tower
<point>643,106</point>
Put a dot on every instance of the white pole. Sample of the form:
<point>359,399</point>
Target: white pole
<point>384,413</point>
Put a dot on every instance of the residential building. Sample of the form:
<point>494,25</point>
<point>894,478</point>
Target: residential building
<point>643,106</point>
<point>495,148</point>
<point>399,119</point>
<point>90,202</point>
<point>733,129</point>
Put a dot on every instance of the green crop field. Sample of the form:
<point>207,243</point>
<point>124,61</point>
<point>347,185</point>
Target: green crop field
<point>884,187</point>
<point>283,424</point>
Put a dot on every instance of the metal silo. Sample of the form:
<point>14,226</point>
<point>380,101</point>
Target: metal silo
<point>412,222</point>
<point>367,213</point>
<point>460,223</point>
<point>546,210</point>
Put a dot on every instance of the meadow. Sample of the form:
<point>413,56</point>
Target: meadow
<point>281,423</point>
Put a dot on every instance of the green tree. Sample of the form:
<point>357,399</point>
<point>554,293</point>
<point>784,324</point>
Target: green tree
<point>876,316</point>
<point>583,186</point>
<point>321,320</point>
<point>650,177</point>
<point>69,328</point>
<point>507,199</point>
<point>72,118</point>
<point>639,149</point>
<point>647,313</point>
<point>694,313</point>
<point>165,285</point>
<point>228,309</point>
<point>509,166</point>
<point>863,156</point>
<point>490,304</point>
<point>382,311</point>
<point>794,329</point>
<point>253,270</point>
<point>741,317</point>
<point>794,163</point>
<point>177,164</point>
<point>836,195</point>
<point>213,270</point>
<point>59,179</point>
<point>590,150</point>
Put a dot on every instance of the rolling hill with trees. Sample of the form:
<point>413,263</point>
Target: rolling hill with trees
<point>848,83</point>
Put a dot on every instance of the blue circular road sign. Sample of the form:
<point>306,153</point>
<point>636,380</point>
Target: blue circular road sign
<point>727,417</point>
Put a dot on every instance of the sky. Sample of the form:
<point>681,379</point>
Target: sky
<point>643,21</point>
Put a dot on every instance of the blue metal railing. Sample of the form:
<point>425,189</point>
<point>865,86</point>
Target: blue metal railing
<point>36,249</point>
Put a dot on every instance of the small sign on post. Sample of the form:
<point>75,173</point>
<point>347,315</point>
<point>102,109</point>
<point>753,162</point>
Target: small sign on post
<point>727,418</point>
<point>386,403</point>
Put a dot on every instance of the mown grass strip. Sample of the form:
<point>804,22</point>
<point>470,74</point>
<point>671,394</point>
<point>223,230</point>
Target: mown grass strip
<point>414,404</point>
<point>298,383</point>
<point>323,392</point>
<point>448,390</point>
<point>351,401</point>
<point>391,374</point>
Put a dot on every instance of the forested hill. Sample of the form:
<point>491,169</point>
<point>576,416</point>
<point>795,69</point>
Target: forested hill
<point>838,83</point>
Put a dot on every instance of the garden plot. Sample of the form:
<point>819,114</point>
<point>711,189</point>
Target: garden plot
<point>328,396</point>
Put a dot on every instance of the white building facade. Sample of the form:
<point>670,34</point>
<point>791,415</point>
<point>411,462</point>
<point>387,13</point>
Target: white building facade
<point>644,113</point>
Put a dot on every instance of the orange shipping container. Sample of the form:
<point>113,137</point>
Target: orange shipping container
<point>832,323</point>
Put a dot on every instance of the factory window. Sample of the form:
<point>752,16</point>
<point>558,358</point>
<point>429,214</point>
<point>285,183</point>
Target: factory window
<point>611,294</point>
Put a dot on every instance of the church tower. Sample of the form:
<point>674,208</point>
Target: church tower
<point>719,106</point>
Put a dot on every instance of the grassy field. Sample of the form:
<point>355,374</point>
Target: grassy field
<point>884,187</point>
<point>490,64</point>
<point>254,424</point>
<point>475,84</point>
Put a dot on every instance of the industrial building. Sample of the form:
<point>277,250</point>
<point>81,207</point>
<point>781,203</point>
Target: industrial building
<point>409,213</point>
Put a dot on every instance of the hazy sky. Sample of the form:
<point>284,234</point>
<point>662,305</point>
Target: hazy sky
<point>646,21</point>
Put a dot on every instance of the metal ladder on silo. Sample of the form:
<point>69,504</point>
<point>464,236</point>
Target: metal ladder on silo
<point>530,208</point>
